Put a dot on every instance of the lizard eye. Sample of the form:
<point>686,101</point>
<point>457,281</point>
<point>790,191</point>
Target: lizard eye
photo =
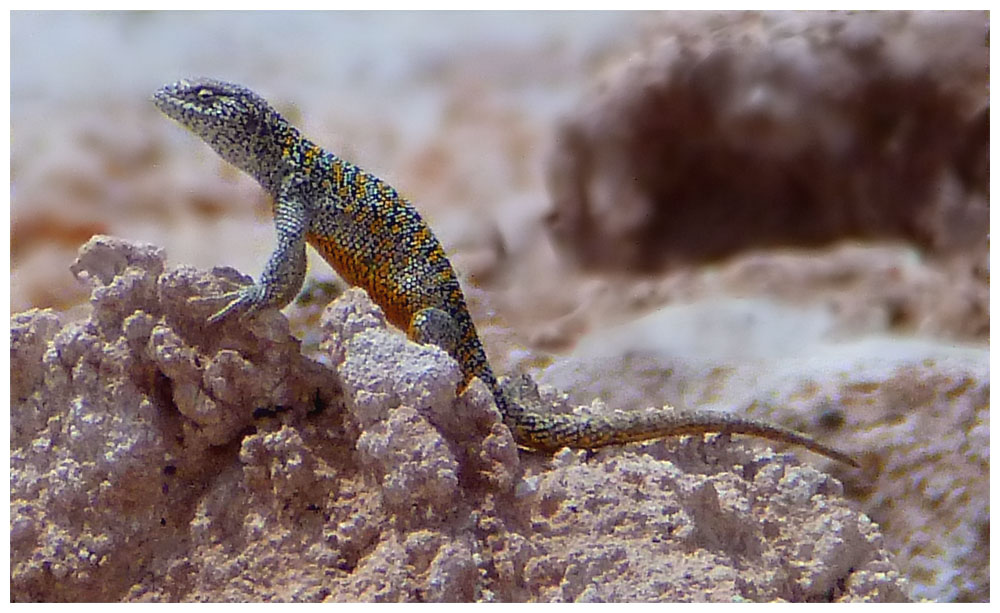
<point>205,94</point>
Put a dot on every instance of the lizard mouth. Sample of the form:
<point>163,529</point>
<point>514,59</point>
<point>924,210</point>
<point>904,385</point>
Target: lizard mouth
<point>167,100</point>
<point>170,100</point>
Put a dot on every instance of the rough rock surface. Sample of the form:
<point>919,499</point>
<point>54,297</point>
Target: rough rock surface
<point>744,130</point>
<point>125,426</point>
<point>915,412</point>
<point>157,458</point>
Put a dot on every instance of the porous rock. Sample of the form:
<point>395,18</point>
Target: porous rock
<point>159,458</point>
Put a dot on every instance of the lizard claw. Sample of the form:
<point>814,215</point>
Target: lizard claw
<point>243,301</point>
<point>210,299</point>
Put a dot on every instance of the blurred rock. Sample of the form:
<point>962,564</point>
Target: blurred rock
<point>732,131</point>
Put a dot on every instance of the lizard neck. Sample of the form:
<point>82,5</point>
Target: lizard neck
<point>267,149</point>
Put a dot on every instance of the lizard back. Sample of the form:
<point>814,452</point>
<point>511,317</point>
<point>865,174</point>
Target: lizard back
<point>375,239</point>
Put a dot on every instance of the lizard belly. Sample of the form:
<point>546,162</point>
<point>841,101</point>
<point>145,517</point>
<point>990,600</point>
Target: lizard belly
<point>374,278</point>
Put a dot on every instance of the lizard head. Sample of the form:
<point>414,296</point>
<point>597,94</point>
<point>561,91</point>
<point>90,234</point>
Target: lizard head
<point>229,117</point>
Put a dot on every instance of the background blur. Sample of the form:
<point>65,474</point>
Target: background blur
<point>447,106</point>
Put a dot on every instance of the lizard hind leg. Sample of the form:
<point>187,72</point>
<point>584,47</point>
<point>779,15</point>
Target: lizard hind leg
<point>436,327</point>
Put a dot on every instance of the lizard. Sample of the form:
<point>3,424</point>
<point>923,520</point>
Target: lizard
<point>376,239</point>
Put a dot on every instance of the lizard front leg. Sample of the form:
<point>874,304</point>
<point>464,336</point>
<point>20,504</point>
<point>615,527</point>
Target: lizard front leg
<point>284,273</point>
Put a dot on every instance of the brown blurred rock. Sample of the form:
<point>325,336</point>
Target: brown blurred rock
<point>731,131</point>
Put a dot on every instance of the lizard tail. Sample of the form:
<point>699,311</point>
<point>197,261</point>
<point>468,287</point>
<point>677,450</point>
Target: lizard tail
<point>550,432</point>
